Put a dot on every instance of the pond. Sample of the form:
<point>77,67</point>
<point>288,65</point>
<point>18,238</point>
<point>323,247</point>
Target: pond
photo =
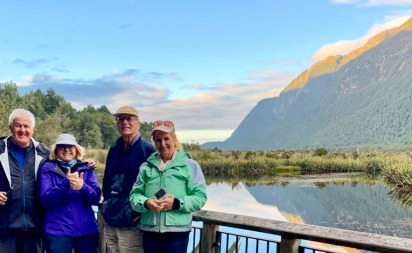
<point>354,201</point>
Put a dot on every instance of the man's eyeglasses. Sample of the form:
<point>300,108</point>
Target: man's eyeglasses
<point>165,123</point>
<point>128,119</point>
<point>64,146</point>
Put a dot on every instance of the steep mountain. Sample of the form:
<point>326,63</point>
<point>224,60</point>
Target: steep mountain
<point>364,103</point>
<point>333,63</point>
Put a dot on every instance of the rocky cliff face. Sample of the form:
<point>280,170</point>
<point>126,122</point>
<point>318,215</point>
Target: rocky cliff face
<point>333,63</point>
<point>362,99</point>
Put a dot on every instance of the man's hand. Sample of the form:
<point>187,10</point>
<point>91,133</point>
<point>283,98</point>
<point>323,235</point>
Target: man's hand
<point>152,204</point>
<point>91,164</point>
<point>3,198</point>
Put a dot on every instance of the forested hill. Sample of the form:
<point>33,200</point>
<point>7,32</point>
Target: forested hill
<point>95,128</point>
<point>365,104</point>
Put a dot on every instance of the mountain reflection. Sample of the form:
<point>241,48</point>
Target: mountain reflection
<point>356,202</point>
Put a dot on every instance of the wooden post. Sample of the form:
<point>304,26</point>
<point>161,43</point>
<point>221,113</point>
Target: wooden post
<point>208,238</point>
<point>289,245</point>
<point>102,237</point>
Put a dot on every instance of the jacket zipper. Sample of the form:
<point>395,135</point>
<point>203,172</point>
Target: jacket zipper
<point>59,172</point>
<point>24,202</point>
<point>161,212</point>
<point>24,194</point>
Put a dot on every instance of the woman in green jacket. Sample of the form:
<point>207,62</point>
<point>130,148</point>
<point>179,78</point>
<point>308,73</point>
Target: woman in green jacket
<point>169,187</point>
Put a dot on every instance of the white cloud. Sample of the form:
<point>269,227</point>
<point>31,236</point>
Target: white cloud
<point>203,136</point>
<point>219,106</point>
<point>26,81</point>
<point>373,2</point>
<point>289,62</point>
<point>344,47</point>
<point>27,78</point>
<point>239,201</point>
<point>345,1</point>
<point>388,2</point>
<point>222,108</point>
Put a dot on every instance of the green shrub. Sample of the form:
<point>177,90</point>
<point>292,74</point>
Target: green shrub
<point>249,154</point>
<point>320,152</point>
<point>206,156</point>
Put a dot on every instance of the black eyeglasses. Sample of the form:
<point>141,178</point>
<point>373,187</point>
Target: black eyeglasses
<point>122,119</point>
<point>64,146</point>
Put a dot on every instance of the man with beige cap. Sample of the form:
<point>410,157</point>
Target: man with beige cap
<point>122,166</point>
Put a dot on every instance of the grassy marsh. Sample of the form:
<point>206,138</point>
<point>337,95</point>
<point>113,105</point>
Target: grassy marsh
<point>396,168</point>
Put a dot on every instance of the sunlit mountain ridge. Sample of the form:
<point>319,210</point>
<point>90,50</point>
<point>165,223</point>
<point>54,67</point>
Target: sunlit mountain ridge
<point>333,63</point>
<point>364,104</point>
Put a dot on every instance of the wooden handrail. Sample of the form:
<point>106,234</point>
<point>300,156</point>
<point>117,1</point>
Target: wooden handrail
<point>292,233</point>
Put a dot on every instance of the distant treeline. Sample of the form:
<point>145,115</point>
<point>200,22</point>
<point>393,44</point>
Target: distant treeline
<point>93,128</point>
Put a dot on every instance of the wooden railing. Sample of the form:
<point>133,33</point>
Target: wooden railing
<point>291,233</point>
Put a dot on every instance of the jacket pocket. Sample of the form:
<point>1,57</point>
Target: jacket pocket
<point>149,218</point>
<point>118,212</point>
<point>177,218</point>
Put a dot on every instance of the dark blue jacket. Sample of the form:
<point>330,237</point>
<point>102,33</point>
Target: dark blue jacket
<point>23,210</point>
<point>122,167</point>
<point>68,212</point>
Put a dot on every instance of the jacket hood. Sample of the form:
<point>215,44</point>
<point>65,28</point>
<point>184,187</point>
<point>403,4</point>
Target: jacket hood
<point>41,153</point>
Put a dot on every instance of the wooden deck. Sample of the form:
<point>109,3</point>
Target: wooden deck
<point>291,233</point>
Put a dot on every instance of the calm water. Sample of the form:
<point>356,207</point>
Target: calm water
<point>347,201</point>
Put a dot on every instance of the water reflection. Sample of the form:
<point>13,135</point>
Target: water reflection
<point>238,200</point>
<point>349,201</point>
<point>402,197</point>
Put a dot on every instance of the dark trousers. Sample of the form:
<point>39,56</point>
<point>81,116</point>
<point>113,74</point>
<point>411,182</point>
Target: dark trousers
<point>20,242</point>
<point>165,242</point>
<point>66,244</point>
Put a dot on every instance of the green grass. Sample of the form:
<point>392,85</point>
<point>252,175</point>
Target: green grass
<point>396,168</point>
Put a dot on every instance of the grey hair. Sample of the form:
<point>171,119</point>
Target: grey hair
<point>20,112</point>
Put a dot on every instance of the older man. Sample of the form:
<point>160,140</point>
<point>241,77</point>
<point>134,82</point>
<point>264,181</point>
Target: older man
<point>21,157</point>
<point>122,166</point>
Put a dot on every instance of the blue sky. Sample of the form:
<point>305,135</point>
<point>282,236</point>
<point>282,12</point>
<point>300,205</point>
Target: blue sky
<point>202,64</point>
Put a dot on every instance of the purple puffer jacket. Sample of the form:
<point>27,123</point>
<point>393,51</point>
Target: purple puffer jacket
<point>68,212</point>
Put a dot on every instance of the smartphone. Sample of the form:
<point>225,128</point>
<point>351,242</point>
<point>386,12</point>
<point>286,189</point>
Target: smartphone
<point>9,191</point>
<point>160,194</point>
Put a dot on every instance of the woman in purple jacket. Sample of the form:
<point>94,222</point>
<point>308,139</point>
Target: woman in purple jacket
<point>68,188</point>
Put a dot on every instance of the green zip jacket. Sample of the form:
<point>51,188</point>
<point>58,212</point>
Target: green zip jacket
<point>182,178</point>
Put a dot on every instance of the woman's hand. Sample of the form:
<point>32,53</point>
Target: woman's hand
<point>152,205</point>
<point>167,204</point>
<point>71,176</point>
<point>77,184</point>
